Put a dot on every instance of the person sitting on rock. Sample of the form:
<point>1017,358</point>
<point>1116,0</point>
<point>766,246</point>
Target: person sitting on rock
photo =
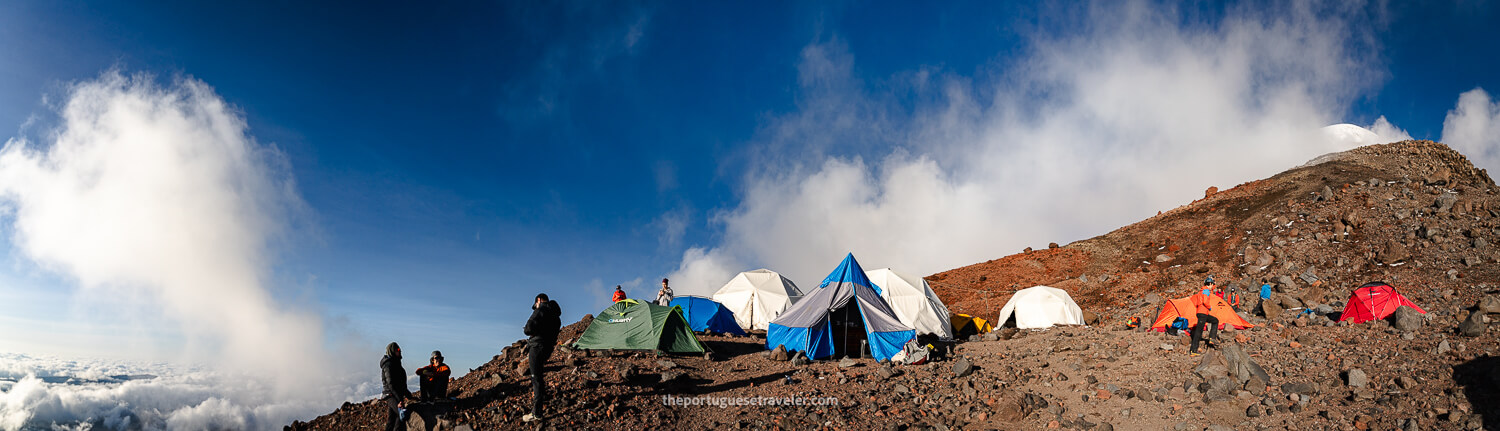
<point>433,379</point>
<point>1203,303</point>
<point>619,294</point>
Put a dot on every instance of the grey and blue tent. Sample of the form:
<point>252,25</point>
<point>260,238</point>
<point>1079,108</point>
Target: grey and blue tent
<point>844,310</point>
<point>705,314</point>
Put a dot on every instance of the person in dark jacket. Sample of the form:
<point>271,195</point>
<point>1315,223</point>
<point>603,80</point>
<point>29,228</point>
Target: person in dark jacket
<point>432,380</point>
<point>542,329</point>
<point>393,392</point>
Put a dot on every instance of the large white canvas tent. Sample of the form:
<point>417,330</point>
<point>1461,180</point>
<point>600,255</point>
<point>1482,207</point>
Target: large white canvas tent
<point>756,297</point>
<point>914,302</point>
<point>1040,307</point>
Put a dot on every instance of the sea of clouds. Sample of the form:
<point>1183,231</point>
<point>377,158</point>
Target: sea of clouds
<point>1133,108</point>
<point>152,192</point>
<point>42,392</point>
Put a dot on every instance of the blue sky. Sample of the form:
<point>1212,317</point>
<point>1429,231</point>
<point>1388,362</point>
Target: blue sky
<point>452,161</point>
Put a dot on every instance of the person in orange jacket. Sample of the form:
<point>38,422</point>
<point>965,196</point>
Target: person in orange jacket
<point>1203,303</point>
<point>619,294</point>
<point>433,379</point>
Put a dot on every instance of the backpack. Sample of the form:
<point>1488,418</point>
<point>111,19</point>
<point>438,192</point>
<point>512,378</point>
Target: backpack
<point>1178,324</point>
<point>1265,291</point>
<point>913,353</point>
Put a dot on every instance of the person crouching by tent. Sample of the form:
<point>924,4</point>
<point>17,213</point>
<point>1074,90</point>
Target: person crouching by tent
<point>433,378</point>
<point>542,328</point>
<point>393,383</point>
<point>664,296</point>
<point>1203,305</point>
<point>619,294</point>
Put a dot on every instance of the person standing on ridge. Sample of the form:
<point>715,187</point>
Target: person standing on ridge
<point>664,296</point>
<point>619,294</point>
<point>433,378</point>
<point>1203,305</point>
<point>542,330</point>
<point>394,391</point>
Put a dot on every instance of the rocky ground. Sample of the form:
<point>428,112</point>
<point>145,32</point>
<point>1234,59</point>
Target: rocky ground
<point>1414,214</point>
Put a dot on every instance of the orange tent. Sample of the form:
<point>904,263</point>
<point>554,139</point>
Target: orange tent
<point>1183,307</point>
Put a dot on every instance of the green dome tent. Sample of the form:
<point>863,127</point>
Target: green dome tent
<point>636,325</point>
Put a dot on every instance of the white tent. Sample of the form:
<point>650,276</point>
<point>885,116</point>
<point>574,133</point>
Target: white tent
<point>1040,307</point>
<point>914,302</point>
<point>756,297</point>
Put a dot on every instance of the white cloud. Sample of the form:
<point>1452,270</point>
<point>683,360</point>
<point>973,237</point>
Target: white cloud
<point>84,394</point>
<point>1473,128</point>
<point>1083,134</point>
<point>157,199</point>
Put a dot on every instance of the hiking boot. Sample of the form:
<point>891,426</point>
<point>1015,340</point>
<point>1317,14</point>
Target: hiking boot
<point>530,418</point>
<point>1194,354</point>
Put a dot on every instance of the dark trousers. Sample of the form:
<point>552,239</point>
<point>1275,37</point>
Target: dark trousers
<point>1197,332</point>
<point>537,357</point>
<point>394,421</point>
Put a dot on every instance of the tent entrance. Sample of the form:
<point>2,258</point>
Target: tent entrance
<point>1010,322</point>
<point>848,330</point>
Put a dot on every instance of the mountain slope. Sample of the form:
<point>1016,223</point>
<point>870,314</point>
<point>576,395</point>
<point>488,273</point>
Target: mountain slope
<point>1415,214</point>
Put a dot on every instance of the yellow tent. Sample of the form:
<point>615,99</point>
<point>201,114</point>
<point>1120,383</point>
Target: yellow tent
<point>965,325</point>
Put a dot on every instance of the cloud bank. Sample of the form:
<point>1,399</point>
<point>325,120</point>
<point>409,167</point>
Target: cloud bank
<point>1473,128</point>
<point>41,391</point>
<point>1138,111</point>
<point>157,195</point>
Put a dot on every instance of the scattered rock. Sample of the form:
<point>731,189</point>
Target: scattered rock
<point>673,376</point>
<point>665,364</point>
<point>1473,326</point>
<point>626,371</point>
<point>1445,202</point>
<point>1356,378</point>
<point>962,367</point>
<point>800,360</point>
<point>1254,411</point>
<point>848,363</point>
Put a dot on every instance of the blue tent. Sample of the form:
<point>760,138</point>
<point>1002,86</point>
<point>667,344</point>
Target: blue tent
<point>705,314</point>
<point>845,298</point>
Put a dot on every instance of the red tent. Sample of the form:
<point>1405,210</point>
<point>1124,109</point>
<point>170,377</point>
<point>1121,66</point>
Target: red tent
<point>1374,301</point>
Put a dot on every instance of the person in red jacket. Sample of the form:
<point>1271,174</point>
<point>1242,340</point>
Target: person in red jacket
<point>1203,303</point>
<point>619,294</point>
<point>433,379</point>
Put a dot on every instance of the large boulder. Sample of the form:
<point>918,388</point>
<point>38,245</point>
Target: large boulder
<point>1489,304</point>
<point>1243,368</point>
<point>1270,308</point>
<point>1211,365</point>
<point>1394,252</point>
<point>780,354</point>
<point>1406,319</point>
<point>1013,406</point>
<point>1090,318</point>
<point>1473,326</point>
